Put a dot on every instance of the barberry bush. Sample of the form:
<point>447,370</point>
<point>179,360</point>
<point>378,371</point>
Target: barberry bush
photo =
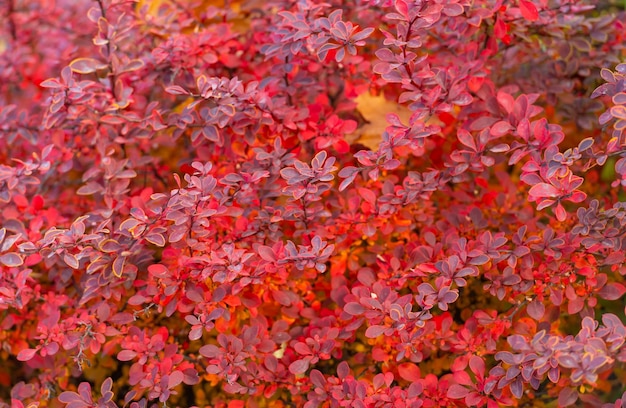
<point>368,203</point>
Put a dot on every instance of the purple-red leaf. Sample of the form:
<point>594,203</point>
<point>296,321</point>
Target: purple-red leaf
<point>543,190</point>
<point>26,354</point>
<point>456,391</point>
<point>536,309</point>
<point>299,366</point>
<point>374,331</point>
<point>567,397</point>
<point>612,291</point>
<point>126,355</point>
<point>11,259</point>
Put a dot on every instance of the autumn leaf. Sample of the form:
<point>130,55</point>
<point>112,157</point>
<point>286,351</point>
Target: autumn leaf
<point>374,109</point>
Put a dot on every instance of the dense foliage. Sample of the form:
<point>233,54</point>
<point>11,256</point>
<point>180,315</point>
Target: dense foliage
<point>369,203</point>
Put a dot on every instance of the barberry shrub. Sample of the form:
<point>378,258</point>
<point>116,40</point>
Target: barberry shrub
<point>369,203</point>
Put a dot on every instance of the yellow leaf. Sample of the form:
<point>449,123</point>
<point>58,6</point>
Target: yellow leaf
<point>374,109</point>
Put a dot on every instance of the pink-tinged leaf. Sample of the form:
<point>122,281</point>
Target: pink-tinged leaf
<point>560,212</point>
<point>567,397</point>
<point>52,348</point>
<point>456,391</point>
<point>126,355</point>
<point>133,65</point>
<point>466,139</point>
<point>317,378</point>
<point>71,261</point>
<point>299,366</point>
<point>619,111</point>
<point>529,11</point>
<point>543,190</point>
<point>84,390</point>
<point>619,98</point>
<point>209,350</point>
<point>346,182</point>
<point>501,148</point>
<point>577,197</point>
<point>51,83</point>
<point>374,331</point>
<point>479,260</point>
<point>70,397</point>
<point>477,365</point>
<point>11,259</point>
<point>26,354</point>
<point>283,297</point>
<point>90,188</point>
<point>409,372</point>
<point>156,239</point>
<point>614,258</point>
<point>86,65</point>
<point>196,333</point>
<point>118,266</point>
<point>536,309</point>
<point>122,318</point>
<point>176,90</point>
<point>354,308</point>
<point>575,305</point>
<point>158,270</point>
<point>452,10</point>
<point>343,370</point>
<point>517,388</point>
<point>302,348</point>
<point>612,291</point>
<point>266,253</point>
<point>107,385</point>
<point>500,128</point>
<point>545,204</point>
<point>175,378</point>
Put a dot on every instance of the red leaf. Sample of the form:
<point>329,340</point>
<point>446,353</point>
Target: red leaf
<point>209,350</point>
<point>266,253</point>
<point>126,355</point>
<point>374,331</point>
<point>26,354</point>
<point>500,128</point>
<point>354,308</point>
<point>567,397</point>
<point>457,391</point>
<point>71,261</point>
<point>612,291</point>
<point>11,259</point>
<point>86,65</point>
<point>317,378</point>
<point>299,366</point>
<point>409,372</point>
<point>477,365</point>
<point>529,11</point>
<point>543,190</point>
<point>536,309</point>
<point>156,239</point>
<point>175,378</point>
<point>68,397</point>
